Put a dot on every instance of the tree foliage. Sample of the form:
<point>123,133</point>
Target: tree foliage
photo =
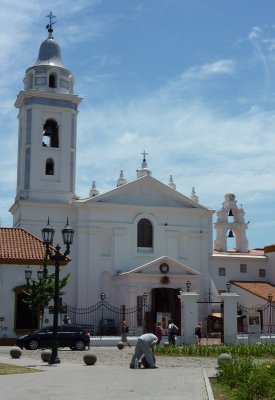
<point>39,294</point>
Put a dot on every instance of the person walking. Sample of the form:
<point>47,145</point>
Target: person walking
<point>124,332</point>
<point>144,346</point>
<point>159,332</point>
<point>198,332</point>
<point>172,331</point>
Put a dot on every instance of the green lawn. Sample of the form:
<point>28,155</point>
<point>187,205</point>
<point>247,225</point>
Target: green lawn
<point>7,369</point>
<point>220,391</point>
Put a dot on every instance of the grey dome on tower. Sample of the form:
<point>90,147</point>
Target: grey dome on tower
<point>49,53</point>
<point>49,73</point>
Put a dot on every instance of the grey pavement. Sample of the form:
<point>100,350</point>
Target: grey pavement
<point>110,378</point>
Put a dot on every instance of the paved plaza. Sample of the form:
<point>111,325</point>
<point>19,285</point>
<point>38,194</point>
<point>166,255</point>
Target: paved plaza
<point>110,378</point>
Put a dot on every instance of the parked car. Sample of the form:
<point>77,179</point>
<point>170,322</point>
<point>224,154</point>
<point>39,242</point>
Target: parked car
<point>75,337</point>
<point>107,327</point>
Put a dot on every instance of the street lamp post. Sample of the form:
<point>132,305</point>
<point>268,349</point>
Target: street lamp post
<point>57,257</point>
<point>270,298</point>
<point>144,298</point>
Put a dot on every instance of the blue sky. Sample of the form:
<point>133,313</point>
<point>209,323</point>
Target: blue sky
<point>191,82</point>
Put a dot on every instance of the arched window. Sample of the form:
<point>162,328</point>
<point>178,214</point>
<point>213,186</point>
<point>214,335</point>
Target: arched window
<point>25,318</point>
<point>52,80</point>
<point>49,169</point>
<point>144,233</point>
<point>50,134</point>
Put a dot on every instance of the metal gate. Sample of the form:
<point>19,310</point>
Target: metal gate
<point>262,316</point>
<point>103,319</point>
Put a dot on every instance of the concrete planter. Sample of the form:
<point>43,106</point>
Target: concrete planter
<point>224,358</point>
<point>15,352</point>
<point>45,355</point>
<point>89,358</point>
<point>120,345</point>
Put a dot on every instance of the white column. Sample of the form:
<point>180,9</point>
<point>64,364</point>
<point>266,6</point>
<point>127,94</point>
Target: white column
<point>189,316</point>
<point>229,317</point>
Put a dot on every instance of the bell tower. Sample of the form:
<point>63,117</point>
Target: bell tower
<point>47,129</point>
<point>231,224</point>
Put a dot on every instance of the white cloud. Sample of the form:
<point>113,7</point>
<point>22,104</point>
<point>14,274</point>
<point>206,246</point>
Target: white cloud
<point>127,137</point>
<point>205,71</point>
<point>184,141</point>
<point>226,67</point>
<point>255,33</point>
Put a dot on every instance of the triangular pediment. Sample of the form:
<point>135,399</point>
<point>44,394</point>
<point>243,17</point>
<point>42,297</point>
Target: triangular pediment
<point>146,191</point>
<point>159,265</point>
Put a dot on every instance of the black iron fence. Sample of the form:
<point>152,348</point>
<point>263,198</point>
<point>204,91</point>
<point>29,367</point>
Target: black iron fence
<point>262,316</point>
<point>103,319</point>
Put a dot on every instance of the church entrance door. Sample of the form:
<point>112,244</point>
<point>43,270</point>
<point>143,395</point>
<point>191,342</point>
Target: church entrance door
<point>166,306</point>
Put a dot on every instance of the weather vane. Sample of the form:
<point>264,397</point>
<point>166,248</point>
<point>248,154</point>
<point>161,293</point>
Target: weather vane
<point>52,22</point>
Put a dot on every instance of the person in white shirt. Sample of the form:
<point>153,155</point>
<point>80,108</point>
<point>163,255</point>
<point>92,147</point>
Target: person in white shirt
<point>145,344</point>
<point>172,331</point>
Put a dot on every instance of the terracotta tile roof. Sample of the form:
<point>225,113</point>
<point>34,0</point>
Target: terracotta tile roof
<point>255,252</point>
<point>260,289</point>
<point>18,246</point>
<point>270,248</point>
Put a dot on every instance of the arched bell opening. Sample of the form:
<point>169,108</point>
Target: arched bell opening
<point>53,80</point>
<point>50,134</point>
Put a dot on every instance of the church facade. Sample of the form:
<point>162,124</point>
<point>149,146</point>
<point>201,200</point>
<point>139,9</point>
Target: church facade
<point>141,237</point>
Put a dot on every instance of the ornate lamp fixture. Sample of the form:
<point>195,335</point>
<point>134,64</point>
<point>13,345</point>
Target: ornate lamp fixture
<point>188,285</point>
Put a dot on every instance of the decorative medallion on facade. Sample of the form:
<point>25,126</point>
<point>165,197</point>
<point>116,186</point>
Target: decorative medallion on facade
<point>164,268</point>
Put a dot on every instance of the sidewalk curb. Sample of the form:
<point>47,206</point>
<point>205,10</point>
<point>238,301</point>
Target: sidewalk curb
<point>208,385</point>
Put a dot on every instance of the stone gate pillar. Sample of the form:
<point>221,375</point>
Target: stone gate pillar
<point>189,316</point>
<point>230,317</point>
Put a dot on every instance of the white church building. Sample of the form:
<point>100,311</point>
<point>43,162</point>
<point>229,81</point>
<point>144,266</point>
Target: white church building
<point>140,241</point>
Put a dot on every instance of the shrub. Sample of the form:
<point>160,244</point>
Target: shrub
<point>249,380</point>
<point>253,350</point>
<point>259,384</point>
<point>235,371</point>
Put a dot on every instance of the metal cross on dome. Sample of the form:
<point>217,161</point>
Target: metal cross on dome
<point>51,17</point>
<point>144,155</point>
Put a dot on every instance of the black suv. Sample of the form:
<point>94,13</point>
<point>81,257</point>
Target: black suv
<point>71,336</point>
<point>107,327</point>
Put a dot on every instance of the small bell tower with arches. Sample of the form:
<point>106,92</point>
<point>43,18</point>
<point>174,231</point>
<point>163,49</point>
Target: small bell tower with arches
<point>47,121</point>
<point>231,224</point>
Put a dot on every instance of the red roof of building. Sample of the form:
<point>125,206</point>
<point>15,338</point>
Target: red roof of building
<point>18,246</point>
<point>260,289</point>
<point>254,252</point>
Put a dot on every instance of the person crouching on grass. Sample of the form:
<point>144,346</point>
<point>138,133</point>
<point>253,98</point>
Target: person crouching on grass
<point>145,345</point>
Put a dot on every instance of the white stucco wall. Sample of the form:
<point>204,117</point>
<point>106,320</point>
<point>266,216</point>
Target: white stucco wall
<point>231,263</point>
